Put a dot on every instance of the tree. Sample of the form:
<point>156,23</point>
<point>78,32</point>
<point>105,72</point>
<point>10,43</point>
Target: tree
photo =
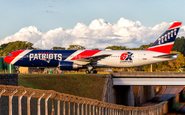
<point>58,48</point>
<point>180,45</point>
<point>11,46</point>
<point>76,47</point>
<point>143,47</point>
<point>116,47</point>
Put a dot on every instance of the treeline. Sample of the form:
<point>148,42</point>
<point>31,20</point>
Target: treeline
<point>179,46</point>
<point>5,49</point>
<point>175,65</point>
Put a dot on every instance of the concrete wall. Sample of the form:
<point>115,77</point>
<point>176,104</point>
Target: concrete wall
<point>109,91</point>
<point>9,79</point>
<point>127,95</point>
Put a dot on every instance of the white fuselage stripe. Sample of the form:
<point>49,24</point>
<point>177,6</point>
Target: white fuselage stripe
<point>18,57</point>
<point>74,54</point>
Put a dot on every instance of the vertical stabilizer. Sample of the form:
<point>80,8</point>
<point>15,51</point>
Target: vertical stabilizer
<point>165,42</point>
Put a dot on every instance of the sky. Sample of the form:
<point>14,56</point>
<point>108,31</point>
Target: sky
<point>95,23</point>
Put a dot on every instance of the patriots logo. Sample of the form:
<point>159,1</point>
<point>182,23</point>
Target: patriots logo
<point>47,60</point>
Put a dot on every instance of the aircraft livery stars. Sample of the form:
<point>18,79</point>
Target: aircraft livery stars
<point>167,36</point>
<point>44,56</point>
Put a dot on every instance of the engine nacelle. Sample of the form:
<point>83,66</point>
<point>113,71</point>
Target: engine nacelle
<point>67,65</point>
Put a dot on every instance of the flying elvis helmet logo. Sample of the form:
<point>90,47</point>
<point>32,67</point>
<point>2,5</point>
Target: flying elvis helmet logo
<point>126,57</point>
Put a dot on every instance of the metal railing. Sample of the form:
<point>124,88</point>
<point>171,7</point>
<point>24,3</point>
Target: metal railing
<point>49,102</point>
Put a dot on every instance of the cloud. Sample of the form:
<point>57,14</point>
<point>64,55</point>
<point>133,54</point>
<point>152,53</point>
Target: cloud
<point>30,34</point>
<point>98,34</point>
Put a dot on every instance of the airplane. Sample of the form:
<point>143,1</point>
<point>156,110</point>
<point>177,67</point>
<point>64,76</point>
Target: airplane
<point>159,51</point>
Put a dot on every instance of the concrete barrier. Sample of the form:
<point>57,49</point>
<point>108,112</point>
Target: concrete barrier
<point>8,79</point>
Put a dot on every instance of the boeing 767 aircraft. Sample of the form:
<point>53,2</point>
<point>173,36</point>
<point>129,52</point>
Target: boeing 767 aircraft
<point>92,59</point>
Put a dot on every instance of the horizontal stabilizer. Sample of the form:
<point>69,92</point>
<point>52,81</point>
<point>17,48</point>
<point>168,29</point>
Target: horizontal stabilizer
<point>170,56</point>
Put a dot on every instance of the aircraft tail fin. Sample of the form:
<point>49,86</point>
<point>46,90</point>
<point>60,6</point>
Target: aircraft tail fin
<point>165,42</point>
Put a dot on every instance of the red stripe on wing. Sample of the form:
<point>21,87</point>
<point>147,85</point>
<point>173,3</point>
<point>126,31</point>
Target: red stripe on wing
<point>85,54</point>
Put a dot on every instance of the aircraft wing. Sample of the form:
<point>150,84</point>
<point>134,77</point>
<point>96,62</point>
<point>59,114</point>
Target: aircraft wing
<point>92,59</point>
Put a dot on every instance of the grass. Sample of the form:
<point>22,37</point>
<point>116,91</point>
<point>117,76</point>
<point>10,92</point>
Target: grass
<point>90,86</point>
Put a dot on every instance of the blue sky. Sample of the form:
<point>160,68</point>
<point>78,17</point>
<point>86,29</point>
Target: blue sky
<point>50,14</point>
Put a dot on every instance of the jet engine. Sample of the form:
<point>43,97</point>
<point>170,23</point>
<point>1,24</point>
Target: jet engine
<point>67,65</point>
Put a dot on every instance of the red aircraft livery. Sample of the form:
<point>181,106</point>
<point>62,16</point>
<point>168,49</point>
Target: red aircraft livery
<point>91,59</point>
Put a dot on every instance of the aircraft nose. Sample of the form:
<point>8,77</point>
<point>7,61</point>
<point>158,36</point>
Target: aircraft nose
<point>9,59</point>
